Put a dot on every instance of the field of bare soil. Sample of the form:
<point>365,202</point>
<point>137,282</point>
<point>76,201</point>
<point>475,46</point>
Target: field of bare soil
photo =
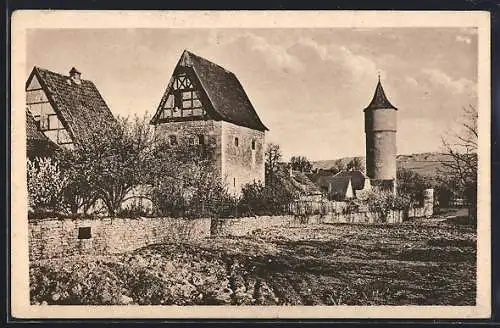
<point>422,263</point>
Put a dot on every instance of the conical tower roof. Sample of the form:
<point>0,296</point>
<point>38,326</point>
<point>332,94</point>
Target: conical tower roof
<point>379,99</point>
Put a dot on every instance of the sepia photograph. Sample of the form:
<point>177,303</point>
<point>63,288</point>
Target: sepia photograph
<point>247,164</point>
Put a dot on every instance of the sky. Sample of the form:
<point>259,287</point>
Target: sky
<point>308,86</point>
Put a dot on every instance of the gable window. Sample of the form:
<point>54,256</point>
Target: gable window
<point>172,140</point>
<point>43,122</point>
<point>236,141</point>
<point>183,99</point>
<point>45,117</point>
<point>253,144</point>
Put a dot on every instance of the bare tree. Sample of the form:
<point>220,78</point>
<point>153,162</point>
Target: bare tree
<point>338,166</point>
<point>355,164</point>
<point>109,163</point>
<point>300,163</point>
<point>273,157</point>
<point>461,163</point>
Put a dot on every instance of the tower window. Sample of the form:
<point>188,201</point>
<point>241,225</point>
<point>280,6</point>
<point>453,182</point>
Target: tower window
<point>172,139</point>
<point>253,144</point>
<point>234,182</point>
<point>201,139</point>
<point>236,141</point>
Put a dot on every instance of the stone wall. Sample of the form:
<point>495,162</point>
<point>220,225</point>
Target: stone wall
<point>50,238</point>
<point>416,212</point>
<point>237,164</point>
<point>240,163</point>
<point>243,226</point>
<point>187,133</point>
<point>428,202</point>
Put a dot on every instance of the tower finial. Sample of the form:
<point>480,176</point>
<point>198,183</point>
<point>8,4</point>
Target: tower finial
<point>378,74</point>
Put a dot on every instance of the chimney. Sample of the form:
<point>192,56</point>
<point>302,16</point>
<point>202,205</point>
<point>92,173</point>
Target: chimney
<point>75,76</point>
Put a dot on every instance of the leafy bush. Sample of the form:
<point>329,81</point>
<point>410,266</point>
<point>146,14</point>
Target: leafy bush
<point>411,185</point>
<point>258,199</point>
<point>383,202</point>
<point>46,183</point>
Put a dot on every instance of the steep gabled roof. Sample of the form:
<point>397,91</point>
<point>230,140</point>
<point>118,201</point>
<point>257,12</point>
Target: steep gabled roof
<point>357,178</point>
<point>32,131</point>
<point>339,185</point>
<point>224,91</point>
<point>379,99</point>
<point>302,182</point>
<point>335,184</point>
<point>79,106</point>
<point>37,143</point>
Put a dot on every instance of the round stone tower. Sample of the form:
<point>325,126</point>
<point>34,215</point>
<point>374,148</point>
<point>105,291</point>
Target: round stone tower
<point>380,131</point>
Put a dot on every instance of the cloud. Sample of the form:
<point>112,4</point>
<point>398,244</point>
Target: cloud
<point>274,55</point>
<point>359,66</point>
<point>437,76</point>
<point>464,39</point>
<point>411,81</point>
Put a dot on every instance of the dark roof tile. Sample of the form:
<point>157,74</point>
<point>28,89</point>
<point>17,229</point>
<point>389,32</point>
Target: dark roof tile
<point>37,143</point>
<point>379,99</point>
<point>357,178</point>
<point>32,131</point>
<point>224,91</point>
<point>336,184</point>
<point>79,106</point>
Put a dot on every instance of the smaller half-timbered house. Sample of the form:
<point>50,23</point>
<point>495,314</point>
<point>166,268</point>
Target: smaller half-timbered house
<point>63,108</point>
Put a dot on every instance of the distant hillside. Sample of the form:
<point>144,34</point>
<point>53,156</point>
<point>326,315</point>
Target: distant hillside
<point>427,164</point>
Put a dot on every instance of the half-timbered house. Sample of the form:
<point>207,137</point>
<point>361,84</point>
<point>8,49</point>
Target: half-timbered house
<point>205,104</point>
<point>64,108</point>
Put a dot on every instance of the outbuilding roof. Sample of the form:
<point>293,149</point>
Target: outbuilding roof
<point>357,178</point>
<point>336,185</point>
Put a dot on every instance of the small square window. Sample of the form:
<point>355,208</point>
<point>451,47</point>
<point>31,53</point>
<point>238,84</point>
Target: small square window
<point>236,141</point>
<point>84,233</point>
